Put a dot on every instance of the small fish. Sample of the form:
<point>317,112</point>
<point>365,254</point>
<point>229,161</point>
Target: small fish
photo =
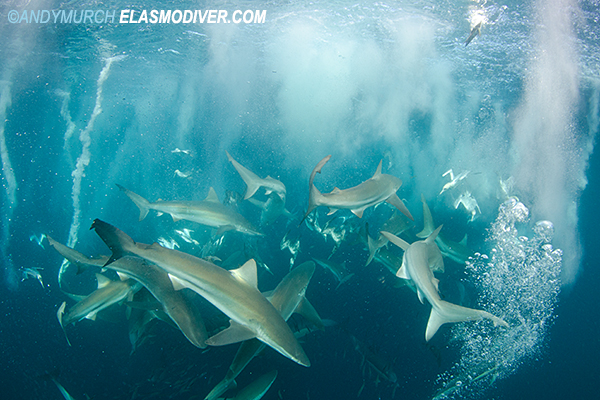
<point>39,239</point>
<point>476,31</point>
<point>178,150</point>
<point>453,180</point>
<point>182,174</point>
<point>33,273</point>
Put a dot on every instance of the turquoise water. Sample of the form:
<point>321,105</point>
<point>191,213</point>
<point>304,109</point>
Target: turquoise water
<point>155,107</point>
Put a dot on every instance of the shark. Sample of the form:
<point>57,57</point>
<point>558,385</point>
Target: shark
<point>396,225</point>
<point>375,362</point>
<point>254,182</point>
<point>271,209</point>
<point>417,262</point>
<point>340,271</point>
<point>456,251</point>
<point>179,308</point>
<point>287,298</point>
<point>209,212</point>
<point>233,292</point>
<point>109,292</point>
<point>375,190</point>
<point>257,389</point>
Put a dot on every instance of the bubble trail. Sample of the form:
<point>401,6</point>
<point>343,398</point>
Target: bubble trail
<point>519,282</point>
<point>84,159</point>
<point>10,186</point>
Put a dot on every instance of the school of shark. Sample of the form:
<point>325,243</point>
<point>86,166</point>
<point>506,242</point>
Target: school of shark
<point>159,282</point>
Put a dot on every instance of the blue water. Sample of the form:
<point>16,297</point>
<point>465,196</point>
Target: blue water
<point>84,107</point>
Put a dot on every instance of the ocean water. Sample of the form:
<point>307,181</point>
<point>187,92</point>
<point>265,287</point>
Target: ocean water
<point>154,108</point>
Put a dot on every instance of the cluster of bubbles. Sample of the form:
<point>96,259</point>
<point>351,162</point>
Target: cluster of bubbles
<point>520,282</point>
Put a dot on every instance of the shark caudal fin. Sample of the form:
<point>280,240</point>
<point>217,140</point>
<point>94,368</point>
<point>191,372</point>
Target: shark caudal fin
<point>253,181</point>
<point>139,201</point>
<point>117,241</point>
<point>314,193</point>
<point>445,312</point>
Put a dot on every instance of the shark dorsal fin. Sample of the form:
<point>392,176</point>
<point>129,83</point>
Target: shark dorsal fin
<point>378,172</point>
<point>431,238</point>
<point>212,196</point>
<point>335,190</point>
<point>102,280</point>
<point>246,273</point>
<point>463,241</point>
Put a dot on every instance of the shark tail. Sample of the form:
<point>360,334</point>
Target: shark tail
<point>344,279</point>
<point>117,241</point>
<point>428,225</point>
<point>252,181</point>
<point>372,248</point>
<point>314,193</point>
<point>139,201</point>
<point>446,312</point>
<point>251,188</point>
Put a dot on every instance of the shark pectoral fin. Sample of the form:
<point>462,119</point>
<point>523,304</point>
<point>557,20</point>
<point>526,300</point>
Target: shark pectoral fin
<point>306,309</point>
<point>224,228</point>
<point>178,283</point>
<point>212,196</point>
<point>359,212</point>
<point>159,213</point>
<point>234,334</point>
<point>175,217</point>
<point>246,273</point>
<point>435,321</point>
<point>399,204</point>
<point>268,191</point>
<point>332,211</point>
<point>401,273</point>
<point>92,316</point>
